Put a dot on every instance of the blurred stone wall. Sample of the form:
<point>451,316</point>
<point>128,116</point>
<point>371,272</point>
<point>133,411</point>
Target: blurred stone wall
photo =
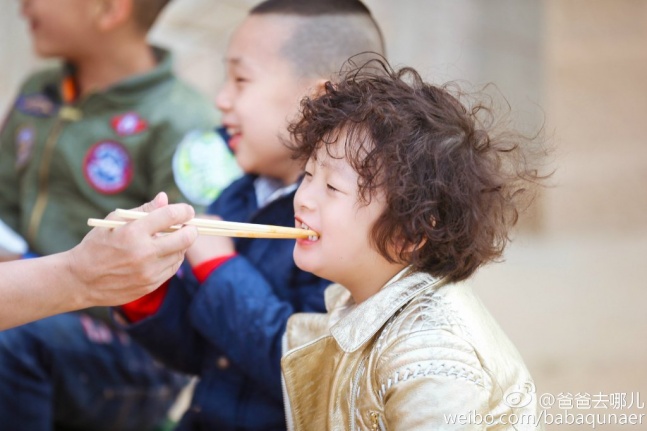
<point>596,100</point>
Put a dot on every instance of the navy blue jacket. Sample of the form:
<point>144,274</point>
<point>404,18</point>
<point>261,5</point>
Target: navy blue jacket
<point>228,330</point>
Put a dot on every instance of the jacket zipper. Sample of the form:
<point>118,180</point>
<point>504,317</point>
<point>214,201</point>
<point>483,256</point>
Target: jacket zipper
<point>287,409</point>
<point>376,422</point>
<point>65,114</point>
<point>358,375</point>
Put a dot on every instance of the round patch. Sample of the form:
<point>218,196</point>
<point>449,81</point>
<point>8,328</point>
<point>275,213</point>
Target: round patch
<point>108,167</point>
<point>203,166</point>
<point>25,139</point>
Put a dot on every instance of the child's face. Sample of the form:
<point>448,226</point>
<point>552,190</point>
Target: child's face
<point>60,28</point>
<point>327,202</point>
<point>261,94</point>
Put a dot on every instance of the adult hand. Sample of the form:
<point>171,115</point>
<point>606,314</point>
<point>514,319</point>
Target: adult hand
<point>209,247</point>
<point>122,264</point>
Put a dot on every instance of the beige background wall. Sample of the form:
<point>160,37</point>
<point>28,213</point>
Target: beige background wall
<point>572,292</point>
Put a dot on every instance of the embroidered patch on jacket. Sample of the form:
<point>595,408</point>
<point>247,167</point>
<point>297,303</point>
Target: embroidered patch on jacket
<point>25,138</point>
<point>35,105</point>
<point>108,167</point>
<point>203,166</point>
<point>128,124</point>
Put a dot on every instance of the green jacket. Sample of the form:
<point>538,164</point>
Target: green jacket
<point>62,163</point>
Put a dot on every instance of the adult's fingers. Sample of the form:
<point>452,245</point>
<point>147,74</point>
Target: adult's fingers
<point>170,264</point>
<point>159,201</point>
<point>162,218</point>
<point>176,242</point>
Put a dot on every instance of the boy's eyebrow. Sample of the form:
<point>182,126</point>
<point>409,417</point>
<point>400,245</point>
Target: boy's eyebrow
<point>233,61</point>
<point>238,62</point>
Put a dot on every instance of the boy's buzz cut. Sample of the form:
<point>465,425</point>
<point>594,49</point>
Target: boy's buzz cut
<point>326,33</point>
<point>146,12</point>
<point>451,177</point>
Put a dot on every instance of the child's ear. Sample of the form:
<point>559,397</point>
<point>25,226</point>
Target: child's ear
<point>114,13</point>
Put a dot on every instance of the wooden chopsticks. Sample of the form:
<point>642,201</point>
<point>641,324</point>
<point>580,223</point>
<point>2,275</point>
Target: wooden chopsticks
<point>215,227</point>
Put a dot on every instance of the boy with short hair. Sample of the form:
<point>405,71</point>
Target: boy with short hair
<point>94,134</point>
<point>98,132</point>
<point>223,318</point>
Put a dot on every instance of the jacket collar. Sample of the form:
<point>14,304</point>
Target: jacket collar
<point>361,322</point>
<point>130,89</point>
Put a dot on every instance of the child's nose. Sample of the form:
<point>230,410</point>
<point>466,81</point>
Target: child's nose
<point>302,201</point>
<point>223,98</point>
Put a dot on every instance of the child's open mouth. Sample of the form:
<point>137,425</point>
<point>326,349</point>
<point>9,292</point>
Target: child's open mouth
<point>234,136</point>
<point>311,237</point>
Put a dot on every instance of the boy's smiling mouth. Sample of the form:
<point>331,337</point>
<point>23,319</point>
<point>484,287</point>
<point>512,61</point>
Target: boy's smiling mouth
<point>234,137</point>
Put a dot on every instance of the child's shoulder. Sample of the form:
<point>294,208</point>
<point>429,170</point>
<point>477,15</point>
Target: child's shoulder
<point>453,312</point>
<point>184,96</point>
<point>178,110</point>
<point>180,103</point>
<point>434,322</point>
<point>179,98</point>
<point>447,331</point>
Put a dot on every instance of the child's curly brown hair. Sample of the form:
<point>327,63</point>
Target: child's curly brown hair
<point>452,185</point>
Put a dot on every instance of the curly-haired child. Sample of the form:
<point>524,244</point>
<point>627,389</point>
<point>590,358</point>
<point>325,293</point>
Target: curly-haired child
<point>411,192</point>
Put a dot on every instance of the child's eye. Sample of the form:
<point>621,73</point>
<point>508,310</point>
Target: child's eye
<point>307,174</point>
<point>331,188</point>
